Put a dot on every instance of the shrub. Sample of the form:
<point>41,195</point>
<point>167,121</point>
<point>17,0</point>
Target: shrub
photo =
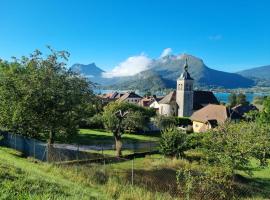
<point>95,122</point>
<point>163,122</point>
<point>173,142</point>
<point>183,121</point>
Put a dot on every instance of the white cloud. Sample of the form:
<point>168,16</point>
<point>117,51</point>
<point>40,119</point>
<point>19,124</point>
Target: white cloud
<point>131,66</point>
<point>166,52</point>
<point>215,37</point>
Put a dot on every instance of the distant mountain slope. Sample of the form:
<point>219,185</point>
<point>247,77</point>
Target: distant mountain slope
<point>89,70</point>
<point>92,72</point>
<point>163,73</point>
<point>261,75</point>
<point>257,72</point>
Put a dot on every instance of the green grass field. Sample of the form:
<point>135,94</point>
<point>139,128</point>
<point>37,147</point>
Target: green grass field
<point>99,137</point>
<point>25,178</point>
<point>22,178</point>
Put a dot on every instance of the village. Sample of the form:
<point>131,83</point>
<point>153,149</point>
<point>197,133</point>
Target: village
<point>201,107</point>
<point>134,100</point>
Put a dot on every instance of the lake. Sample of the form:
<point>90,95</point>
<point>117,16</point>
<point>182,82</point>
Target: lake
<point>221,96</point>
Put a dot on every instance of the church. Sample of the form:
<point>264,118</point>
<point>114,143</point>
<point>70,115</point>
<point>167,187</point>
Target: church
<point>185,100</point>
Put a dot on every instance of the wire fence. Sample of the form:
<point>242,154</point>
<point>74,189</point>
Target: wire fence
<point>73,152</point>
<point>140,167</point>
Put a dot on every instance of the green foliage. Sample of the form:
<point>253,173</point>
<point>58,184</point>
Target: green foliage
<point>233,145</point>
<point>195,140</point>
<point>163,122</point>
<point>241,99</point>
<point>173,142</point>
<point>265,114</point>
<point>204,182</point>
<point>121,116</point>
<point>259,100</point>
<point>183,121</point>
<point>236,99</point>
<point>137,118</point>
<point>39,97</point>
<point>95,122</point>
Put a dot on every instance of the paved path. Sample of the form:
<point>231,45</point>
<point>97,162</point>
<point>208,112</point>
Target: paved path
<point>141,146</point>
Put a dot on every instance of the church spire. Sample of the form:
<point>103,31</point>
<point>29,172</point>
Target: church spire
<point>185,75</point>
<point>186,64</point>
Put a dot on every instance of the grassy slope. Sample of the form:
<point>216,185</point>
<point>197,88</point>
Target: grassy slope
<point>96,137</point>
<point>25,179</point>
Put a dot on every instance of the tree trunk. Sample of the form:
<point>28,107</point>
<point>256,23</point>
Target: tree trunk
<point>51,138</point>
<point>118,146</point>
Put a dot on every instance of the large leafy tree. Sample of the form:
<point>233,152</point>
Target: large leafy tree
<point>40,97</point>
<point>119,117</point>
<point>234,144</point>
<point>265,114</point>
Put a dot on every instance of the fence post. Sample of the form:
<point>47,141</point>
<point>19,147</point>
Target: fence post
<point>34,148</point>
<point>15,142</point>
<point>132,172</point>
<point>77,154</point>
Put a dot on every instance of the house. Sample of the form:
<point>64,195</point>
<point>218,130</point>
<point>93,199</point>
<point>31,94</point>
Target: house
<point>168,105</point>
<point>155,103</point>
<point>146,101</point>
<point>184,100</point>
<point>211,116</point>
<point>130,97</point>
<point>242,109</point>
<point>106,98</point>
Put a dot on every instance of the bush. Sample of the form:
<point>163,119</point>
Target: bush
<point>205,182</point>
<point>183,121</point>
<point>95,122</point>
<point>163,122</point>
<point>173,142</point>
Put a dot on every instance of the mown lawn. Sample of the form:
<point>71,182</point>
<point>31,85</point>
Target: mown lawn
<point>22,178</point>
<point>100,137</point>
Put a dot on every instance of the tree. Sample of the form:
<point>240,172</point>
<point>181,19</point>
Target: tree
<point>236,99</point>
<point>164,122</point>
<point>241,99</point>
<point>232,100</point>
<point>121,116</point>
<point>173,142</point>
<point>40,97</point>
<point>234,144</point>
<point>265,114</point>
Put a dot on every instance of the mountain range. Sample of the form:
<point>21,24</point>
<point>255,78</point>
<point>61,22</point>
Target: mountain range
<point>163,72</point>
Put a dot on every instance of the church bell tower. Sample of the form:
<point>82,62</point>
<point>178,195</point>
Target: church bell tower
<point>184,93</point>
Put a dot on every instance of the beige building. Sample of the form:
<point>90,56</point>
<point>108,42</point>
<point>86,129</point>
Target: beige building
<point>211,116</point>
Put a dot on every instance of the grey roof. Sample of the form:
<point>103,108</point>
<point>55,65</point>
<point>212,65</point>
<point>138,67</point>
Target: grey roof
<point>129,95</point>
<point>169,98</point>
<point>242,109</point>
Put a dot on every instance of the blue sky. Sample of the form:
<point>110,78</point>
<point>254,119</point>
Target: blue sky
<point>228,35</point>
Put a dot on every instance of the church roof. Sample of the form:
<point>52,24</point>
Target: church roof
<point>203,98</point>
<point>169,98</point>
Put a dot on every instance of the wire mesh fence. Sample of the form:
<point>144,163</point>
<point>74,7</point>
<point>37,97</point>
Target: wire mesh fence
<point>140,167</point>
